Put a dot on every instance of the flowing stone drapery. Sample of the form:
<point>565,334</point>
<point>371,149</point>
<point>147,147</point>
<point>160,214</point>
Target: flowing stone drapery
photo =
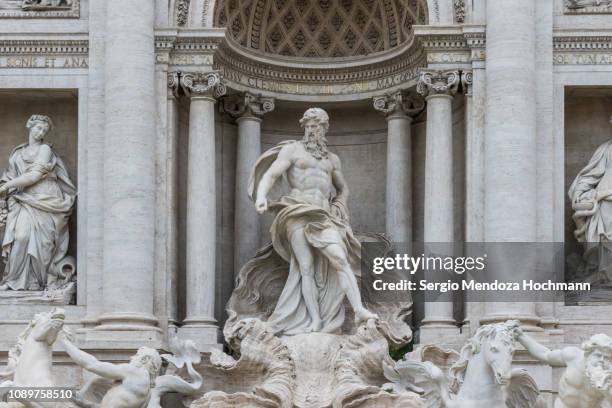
<point>248,109</point>
<point>203,89</point>
<point>399,110</point>
<point>511,147</point>
<point>129,170</point>
<point>439,88</point>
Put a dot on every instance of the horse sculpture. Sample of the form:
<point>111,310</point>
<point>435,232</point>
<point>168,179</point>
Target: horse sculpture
<point>30,360</point>
<point>480,377</point>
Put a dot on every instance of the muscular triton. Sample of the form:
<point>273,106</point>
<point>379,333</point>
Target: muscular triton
<point>587,380</point>
<point>311,231</point>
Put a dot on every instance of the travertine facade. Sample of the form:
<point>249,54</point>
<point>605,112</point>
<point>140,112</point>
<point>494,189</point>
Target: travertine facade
<point>454,121</point>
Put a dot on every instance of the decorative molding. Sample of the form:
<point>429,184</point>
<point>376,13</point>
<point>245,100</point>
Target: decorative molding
<point>582,50</point>
<point>247,105</point>
<point>459,6</point>
<point>182,12</point>
<point>40,9</point>
<point>588,6</point>
<point>433,82</point>
<point>399,103</point>
<point>44,53</point>
<point>205,13</point>
<point>202,84</point>
<point>174,83</point>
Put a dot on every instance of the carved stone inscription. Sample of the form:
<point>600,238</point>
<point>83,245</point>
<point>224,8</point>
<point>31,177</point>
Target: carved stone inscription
<point>41,61</point>
<point>323,89</point>
<point>39,8</point>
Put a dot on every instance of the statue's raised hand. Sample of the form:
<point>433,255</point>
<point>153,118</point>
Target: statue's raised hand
<point>261,205</point>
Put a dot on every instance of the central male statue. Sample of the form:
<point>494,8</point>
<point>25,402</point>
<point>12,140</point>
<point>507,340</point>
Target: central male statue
<point>302,182</point>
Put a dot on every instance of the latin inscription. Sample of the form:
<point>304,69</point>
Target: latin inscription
<point>48,62</point>
<point>313,89</point>
<point>582,59</point>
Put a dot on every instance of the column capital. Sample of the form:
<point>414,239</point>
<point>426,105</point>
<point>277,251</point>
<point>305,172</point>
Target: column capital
<point>399,103</point>
<point>247,105</point>
<point>202,84</point>
<point>174,84</point>
<point>433,82</point>
<point>467,80</point>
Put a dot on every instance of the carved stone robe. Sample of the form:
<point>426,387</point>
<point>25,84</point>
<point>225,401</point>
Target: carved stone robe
<point>290,315</point>
<point>36,233</point>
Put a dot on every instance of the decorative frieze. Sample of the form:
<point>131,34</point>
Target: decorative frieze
<point>582,50</point>
<point>202,84</point>
<point>247,104</point>
<point>39,8</point>
<point>432,82</point>
<point>44,54</point>
<point>401,103</point>
<point>588,6</point>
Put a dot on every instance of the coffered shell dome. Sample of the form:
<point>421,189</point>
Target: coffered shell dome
<point>320,28</point>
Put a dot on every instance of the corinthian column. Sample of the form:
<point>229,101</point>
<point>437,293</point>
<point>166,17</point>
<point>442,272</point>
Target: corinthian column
<point>399,110</point>
<point>439,88</point>
<point>129,172</point>
<point>248,109</point>
<point>200,324</point>
<point>511,148</point>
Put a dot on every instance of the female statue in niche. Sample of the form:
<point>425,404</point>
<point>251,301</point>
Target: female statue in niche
<point>39,198</point>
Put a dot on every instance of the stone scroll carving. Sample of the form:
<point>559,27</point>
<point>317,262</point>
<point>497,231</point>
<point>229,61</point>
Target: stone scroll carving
<point>300,331</point>
<point>401,103</point>
<point>587,379</point>
<point>481,375</point>
<point>588,6</point>
<point>247,105</point>
<point>39,8</point>
<point>433,82</point>
<point>37,198</point>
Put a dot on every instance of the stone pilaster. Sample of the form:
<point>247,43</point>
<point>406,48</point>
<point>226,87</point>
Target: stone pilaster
<point>129,174</point>
<point>248,110</point>
<point>203,89</point>
<point>399,109</point>
<point>439,88</point>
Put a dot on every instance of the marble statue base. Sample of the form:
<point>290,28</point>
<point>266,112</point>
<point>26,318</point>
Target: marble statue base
<point>64,295</point>
<point>313,370</point>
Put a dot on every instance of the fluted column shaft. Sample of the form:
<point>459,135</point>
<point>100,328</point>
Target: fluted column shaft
<point>439,88</point>
<point>129,166</point>
<point>399,110</point>
<point>200,324</point>
<point>248,109</point>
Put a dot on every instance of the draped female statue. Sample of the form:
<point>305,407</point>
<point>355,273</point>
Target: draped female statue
<point>39,198</point>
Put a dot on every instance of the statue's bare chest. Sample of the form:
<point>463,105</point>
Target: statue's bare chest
<point>306,163</point>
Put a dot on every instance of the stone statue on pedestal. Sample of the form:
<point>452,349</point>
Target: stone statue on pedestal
<point>39,198</point>
<point>298,328</point>
<point>311,231</point>
<point>587,380</point>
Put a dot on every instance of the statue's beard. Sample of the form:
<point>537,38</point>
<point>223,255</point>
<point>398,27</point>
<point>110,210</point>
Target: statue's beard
<point>600,378</point>
<point>316,145</point>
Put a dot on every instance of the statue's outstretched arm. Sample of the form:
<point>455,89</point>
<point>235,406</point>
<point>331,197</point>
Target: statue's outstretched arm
<point>277,169</point>
<point>90,363</point>
<point>542,353</point>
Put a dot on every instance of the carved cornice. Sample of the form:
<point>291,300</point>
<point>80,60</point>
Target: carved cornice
<point>247,105</point>
<point>202,84</point>
<point>400,103</point>
<point>586,43</point>
<point>43,46</point>
<point>433,82</point>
